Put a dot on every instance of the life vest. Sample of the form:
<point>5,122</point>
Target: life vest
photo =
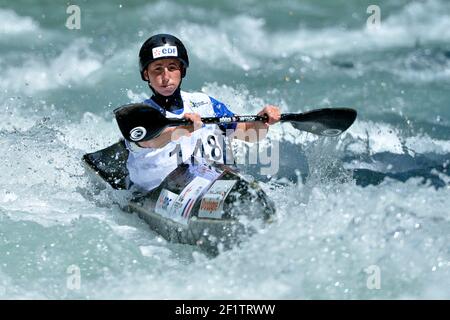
<point>148,167</point>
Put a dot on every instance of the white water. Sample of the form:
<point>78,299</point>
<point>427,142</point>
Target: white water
<point>56,105</point>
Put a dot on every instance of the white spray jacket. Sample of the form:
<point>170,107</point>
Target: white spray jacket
<point>148,167</point>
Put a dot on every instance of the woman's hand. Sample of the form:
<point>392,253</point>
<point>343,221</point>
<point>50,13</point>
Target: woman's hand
<point>255,131</point>
<point>174,133</point>
<point>273,115</point>
<point>181,131</point>
<point>196,122</point>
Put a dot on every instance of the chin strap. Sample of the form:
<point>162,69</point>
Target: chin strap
<point>169,103</point>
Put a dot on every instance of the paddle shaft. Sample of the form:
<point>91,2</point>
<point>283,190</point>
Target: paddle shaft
<point>224,120</point>
<point>138,122</point>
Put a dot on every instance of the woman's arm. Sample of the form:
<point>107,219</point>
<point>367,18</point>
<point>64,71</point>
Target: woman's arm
<point>174,133</point>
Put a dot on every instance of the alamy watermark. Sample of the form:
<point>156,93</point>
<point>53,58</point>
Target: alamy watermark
<point>73,281</point>
<point>265,153</point>
<point>73,21</point>
<point>217,148</point>
<point>373,22</point>
<point>374,278</point>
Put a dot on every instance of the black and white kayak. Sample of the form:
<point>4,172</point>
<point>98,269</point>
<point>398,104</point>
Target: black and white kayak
<point>200,204</point>
<point>197,204</point>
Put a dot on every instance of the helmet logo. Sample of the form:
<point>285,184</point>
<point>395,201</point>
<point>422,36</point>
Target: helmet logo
<point>165,51</point>
<point>137,133</point>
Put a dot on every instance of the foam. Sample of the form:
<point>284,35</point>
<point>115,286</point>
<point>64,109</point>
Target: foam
<point>253,44</point>
<point>426,76</point>
<point>13,24</point>
<point>425,144</point>
<point>318,250</point>
<point>73,66</point>
<point>42,174</point>
<point>326,234</point>
<point>417,21</point>
<point>235,49</point>
<point>361,138</point>
<point>231,50</point>
<point>136,97</point>
<point>422,22</point>
<point>89,134</point>
<point>14,116</point>
<point>370,137</point>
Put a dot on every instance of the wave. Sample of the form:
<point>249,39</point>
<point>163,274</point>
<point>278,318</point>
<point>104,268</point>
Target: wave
<point>13,24</point>
<point>73,66</point>
<point>423,22</point>
<point>329,230</point>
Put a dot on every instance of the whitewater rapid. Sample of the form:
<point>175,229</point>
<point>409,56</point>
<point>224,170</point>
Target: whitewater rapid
<point>372,202</point>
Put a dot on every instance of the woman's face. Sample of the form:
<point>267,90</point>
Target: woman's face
<point>164,75</point>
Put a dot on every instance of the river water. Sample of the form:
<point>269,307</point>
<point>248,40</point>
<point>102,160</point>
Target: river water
<point>368,220</point>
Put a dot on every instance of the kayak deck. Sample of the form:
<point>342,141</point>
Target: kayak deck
<point>210,206</point>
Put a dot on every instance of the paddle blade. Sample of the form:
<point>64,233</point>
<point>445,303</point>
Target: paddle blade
<point>328,122</point>
<point>139,122</point>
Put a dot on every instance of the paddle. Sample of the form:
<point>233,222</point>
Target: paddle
<point>141,122</point>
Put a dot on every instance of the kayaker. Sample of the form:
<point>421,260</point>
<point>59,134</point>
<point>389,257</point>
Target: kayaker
<point>163,62</point>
